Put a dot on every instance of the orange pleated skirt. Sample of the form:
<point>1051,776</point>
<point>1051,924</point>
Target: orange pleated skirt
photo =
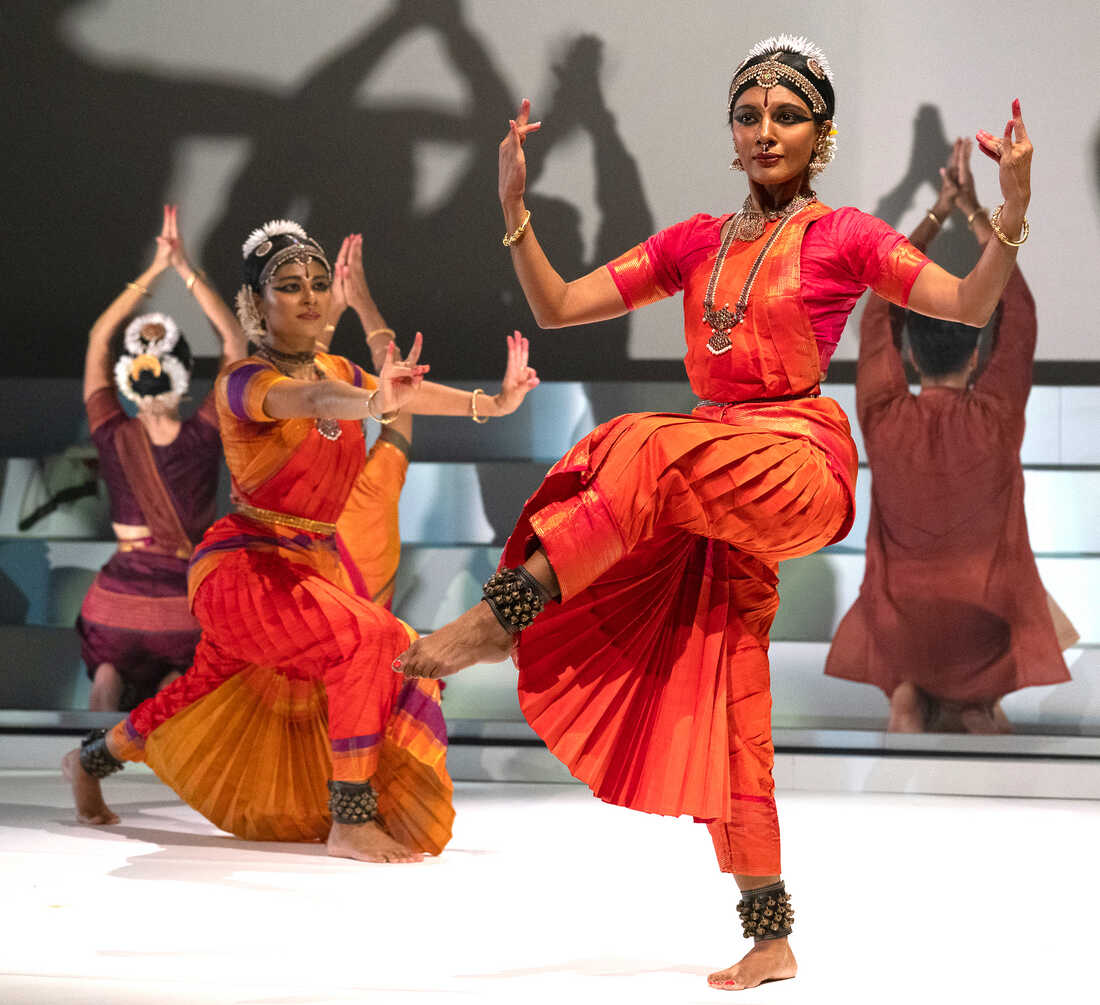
<point>649,679</point>
<point>252,746</point>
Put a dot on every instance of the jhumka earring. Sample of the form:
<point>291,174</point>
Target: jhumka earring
<point>736,165</point>
<point>824,152</point>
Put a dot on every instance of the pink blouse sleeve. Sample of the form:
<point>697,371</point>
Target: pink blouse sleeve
<point>651,271</point>
<point>856,249</point>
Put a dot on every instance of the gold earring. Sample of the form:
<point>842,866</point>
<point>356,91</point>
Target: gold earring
<point>736,165</point>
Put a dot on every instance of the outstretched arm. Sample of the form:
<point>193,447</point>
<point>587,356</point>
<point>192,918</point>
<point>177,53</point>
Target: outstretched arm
<point>97,358</point>
<point>222,319</point>
<point>973,298</point>
<point>333,399</point>
<point>554,302</point>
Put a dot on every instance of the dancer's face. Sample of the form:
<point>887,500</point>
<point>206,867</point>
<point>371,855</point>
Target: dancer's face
<point>774,134</point>
<point>295,303</point>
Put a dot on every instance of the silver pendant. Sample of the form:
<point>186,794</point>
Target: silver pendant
<point>328,428</point>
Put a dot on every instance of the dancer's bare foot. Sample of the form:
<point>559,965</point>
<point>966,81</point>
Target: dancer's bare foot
<point>87,793</point>
<point>766,961</point>
<point>368,843</point>
<point>907,710</point>
<point>473,637</point>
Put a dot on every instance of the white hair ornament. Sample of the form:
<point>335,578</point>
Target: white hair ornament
<point>136,345</point>
<point>814,54</point>
<point>155,355</point>
<point>263,235</point>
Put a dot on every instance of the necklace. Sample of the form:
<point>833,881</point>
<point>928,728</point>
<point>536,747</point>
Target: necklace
<point>723,320</point>
<point>748,225</point>
<point>290,358</point>
<point>328,428</point>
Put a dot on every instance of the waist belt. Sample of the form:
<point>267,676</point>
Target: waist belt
<point>706,403</point>
<point>286,520</point>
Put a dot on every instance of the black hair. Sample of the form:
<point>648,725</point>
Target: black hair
<point>939,348</point>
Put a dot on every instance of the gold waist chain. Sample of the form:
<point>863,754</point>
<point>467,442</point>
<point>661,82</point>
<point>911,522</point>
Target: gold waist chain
<point>286,520</point>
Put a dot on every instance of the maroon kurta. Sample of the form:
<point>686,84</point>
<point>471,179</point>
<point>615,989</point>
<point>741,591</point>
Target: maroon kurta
<point>951,598</point>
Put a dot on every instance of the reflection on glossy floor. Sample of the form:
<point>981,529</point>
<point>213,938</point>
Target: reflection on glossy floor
<point>545,895</point>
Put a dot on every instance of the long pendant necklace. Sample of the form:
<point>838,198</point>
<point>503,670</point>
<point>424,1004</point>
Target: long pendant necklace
<point>328,428</point>
<point>748,225</point>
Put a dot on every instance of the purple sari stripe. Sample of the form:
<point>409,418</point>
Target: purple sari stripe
<point>347,743</point>
<point>236,386</point>
<point>414,702</point>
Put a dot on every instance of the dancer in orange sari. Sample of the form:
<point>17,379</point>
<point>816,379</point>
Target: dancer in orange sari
<point>640,583</point>
<point>291,686</point>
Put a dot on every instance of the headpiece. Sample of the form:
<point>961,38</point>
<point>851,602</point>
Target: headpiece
<point>273,245</point>
<point>793,61</point>
<point>267,249</point>
<point>150,367</point>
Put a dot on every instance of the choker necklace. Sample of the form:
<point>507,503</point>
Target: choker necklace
<point>290,358</point>
<point>748,225</point>
<point>723,320</point>
<point>328,428</point>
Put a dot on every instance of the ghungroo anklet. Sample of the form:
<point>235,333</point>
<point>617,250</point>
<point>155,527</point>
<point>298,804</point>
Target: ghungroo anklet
<point>515,597</point>
<point>766,913</point>
<point>352,802</point>
<point>95,758</point>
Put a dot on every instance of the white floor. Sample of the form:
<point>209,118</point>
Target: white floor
<point>545,895</point>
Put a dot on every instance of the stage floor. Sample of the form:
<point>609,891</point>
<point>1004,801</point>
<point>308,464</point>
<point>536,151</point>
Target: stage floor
<point>545,895</point>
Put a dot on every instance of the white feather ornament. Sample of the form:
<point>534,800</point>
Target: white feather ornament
<point>273,228</point>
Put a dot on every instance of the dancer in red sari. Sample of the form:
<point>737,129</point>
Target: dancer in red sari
<point>640,582</point>
<point>291,691</point>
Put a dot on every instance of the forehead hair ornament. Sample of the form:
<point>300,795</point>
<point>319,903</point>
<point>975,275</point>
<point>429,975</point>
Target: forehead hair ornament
<point>774,70</point>
<point>275,244</point>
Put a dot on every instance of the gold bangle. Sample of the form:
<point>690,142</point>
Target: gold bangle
<point>137,286</point>
<point>190,281</point>
<point>995,224</point>
<point>479,419</point>
<point>382,418</point>
<point>381,331</point>
<point>935,219</point>
<point>970,218</point>
<point>517,234</point>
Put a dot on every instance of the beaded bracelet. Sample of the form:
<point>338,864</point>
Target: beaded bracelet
<point>995,223</point>
<point>517,235</point>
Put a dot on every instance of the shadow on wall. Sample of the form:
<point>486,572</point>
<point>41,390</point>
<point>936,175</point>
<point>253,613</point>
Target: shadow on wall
<point>97,144</point>
<point>88,159</point>
<point>955,248</point>
<point>347,167</point>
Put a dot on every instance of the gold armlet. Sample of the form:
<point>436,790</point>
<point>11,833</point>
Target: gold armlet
<point>479,419</point>
<point>517,235</point>
<point>995,224</point>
